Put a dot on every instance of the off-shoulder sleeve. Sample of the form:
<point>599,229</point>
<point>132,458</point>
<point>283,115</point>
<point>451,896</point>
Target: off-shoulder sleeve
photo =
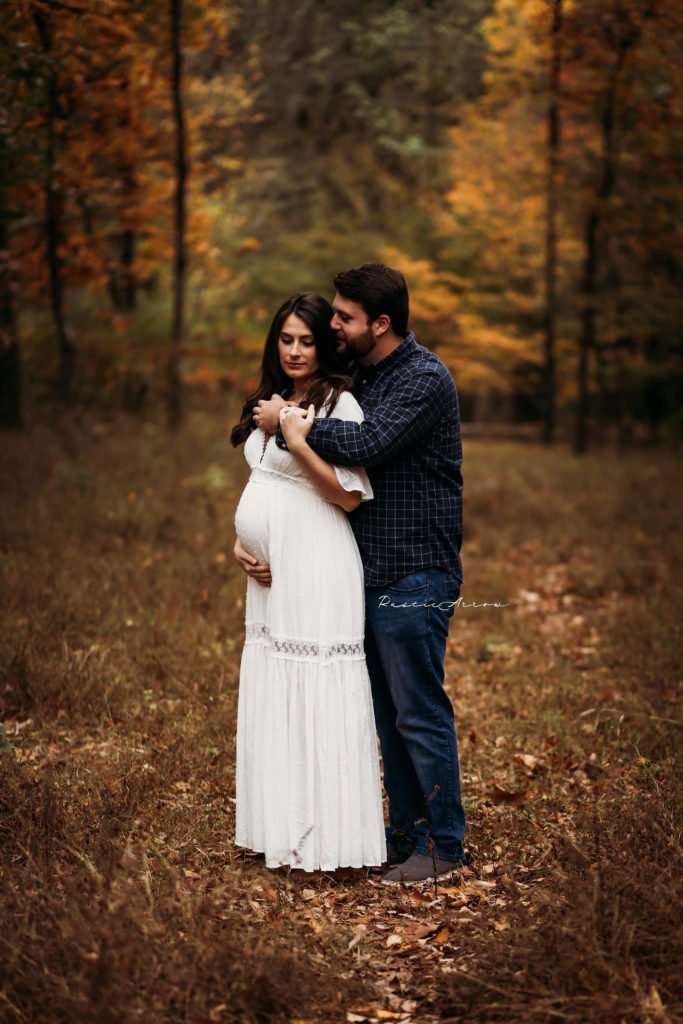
<point>352,478</point>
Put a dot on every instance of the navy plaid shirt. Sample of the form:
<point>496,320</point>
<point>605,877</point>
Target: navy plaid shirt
<point>409,442</point>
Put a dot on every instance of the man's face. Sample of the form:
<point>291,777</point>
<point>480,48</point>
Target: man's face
<point>351,325</point>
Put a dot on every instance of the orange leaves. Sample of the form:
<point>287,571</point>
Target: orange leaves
<point>516,34</point>
<point>113,144</point>
<point>498,202</point>
<point>478,352</point>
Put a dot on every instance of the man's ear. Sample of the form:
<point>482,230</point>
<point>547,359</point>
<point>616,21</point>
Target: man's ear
<point>381,325</point>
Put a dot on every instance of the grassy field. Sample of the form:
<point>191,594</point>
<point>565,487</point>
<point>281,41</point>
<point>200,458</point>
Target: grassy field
<point>122,897</point>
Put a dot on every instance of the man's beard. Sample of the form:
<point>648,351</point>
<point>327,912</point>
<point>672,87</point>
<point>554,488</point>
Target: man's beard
<point>364,343</point>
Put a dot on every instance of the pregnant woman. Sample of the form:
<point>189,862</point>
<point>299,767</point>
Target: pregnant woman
<point>307,765</point>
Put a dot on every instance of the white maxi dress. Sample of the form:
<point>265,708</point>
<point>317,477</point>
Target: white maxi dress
<point>307,765</point>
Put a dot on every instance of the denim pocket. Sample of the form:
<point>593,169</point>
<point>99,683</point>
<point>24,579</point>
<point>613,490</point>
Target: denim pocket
<point>448,596</point>
<point>407,584</point>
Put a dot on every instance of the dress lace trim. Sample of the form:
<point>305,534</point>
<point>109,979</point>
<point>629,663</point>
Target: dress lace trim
<point>258,632</point>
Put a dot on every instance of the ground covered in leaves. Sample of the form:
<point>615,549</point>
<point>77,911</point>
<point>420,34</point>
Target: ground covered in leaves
<point>122,896</point>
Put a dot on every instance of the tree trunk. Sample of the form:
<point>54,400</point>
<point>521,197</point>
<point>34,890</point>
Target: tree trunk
<point>624,438</point>
<point>174,383</point>
<point>587,334</point>
<point>549,382</point>
<point>127,284</point>
<point>67,350</point>
<point>603,397</point>
<point>122,284</point>
<point>10,353</point>
<point>594,222</point>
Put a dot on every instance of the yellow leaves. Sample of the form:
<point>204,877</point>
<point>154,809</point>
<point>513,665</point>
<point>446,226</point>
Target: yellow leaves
<point>434,298</point>
<point>498,178</point>
<point>517,37</point>
<point>478,352</point>
<point>248,245</point>
<point>496,211</point>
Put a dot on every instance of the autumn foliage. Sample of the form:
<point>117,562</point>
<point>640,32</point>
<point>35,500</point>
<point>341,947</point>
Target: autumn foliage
<point>303,157</point>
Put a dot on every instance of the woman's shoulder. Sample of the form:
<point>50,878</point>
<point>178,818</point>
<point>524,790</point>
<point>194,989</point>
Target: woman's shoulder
<point>347,408</point>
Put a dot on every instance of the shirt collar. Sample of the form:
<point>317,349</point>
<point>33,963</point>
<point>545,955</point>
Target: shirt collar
<point>406,345</point>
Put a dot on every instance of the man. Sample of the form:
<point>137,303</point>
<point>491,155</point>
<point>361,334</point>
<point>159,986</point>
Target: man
<point>409,538</point>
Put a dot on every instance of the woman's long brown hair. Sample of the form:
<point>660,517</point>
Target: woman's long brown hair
<point>317,313</point>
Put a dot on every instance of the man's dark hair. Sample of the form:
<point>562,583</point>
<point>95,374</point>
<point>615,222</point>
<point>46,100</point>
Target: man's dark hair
<point>378,289</point>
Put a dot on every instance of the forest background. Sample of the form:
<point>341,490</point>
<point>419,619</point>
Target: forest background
<point>171,172</point>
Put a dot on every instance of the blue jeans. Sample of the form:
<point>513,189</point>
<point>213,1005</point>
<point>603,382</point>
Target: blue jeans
<point>405,649</point>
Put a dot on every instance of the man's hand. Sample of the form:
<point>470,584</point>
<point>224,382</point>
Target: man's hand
<point>258,571</point>
<point>296,425</point>
<point>267,411</point>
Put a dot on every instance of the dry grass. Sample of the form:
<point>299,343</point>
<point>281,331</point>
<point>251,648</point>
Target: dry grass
<point>122,897</point>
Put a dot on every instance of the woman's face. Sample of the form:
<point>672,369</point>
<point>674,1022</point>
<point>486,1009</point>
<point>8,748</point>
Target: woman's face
<point>296,349</point>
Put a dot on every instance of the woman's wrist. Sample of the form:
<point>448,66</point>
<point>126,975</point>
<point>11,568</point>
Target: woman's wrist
<point>298,446</point>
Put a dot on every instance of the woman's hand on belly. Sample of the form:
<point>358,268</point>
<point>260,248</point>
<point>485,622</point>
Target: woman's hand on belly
<point>258,571</point>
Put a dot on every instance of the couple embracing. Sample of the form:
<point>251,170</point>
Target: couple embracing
<point>349,531</point>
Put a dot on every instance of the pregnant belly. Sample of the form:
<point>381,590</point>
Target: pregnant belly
<point>251,521</point>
